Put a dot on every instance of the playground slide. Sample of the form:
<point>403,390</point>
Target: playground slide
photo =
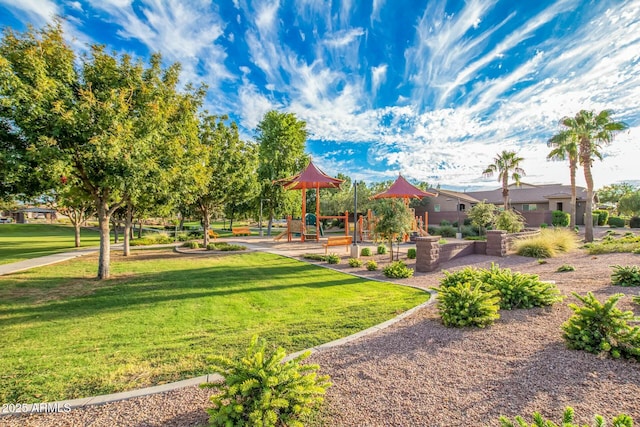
<point>281,235</point>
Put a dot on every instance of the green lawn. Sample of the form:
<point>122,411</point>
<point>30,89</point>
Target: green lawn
<point>24,241</point>
<point>66,335</point>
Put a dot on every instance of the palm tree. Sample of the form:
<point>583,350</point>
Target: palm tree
<point>590,131</point>
<point>506,164</point>
<point>565,147</point>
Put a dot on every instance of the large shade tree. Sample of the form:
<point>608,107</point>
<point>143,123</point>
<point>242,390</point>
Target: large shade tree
<point>591,130</point>
<point>506,165</point>
<point>101,118</point>
<point>281,138</point>
<point>565,146</point>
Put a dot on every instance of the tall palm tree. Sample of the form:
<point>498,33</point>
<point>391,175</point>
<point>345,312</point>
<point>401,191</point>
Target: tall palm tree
<point>506,164</point>
<point>591,131</point>
<point>565,146</point>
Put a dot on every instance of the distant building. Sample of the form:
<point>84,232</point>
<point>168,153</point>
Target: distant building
<point>534,202</point>
<point>23,215</point>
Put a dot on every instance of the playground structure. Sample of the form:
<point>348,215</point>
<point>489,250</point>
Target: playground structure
<point>295,229</point>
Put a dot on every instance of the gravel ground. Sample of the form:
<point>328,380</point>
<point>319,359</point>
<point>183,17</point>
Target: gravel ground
<point>418,373</point>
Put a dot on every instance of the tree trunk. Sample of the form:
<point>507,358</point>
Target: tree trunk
<point>128,222</point>
<point>105,249</point>
<point>572,166</point>
<point>505,192</point>
<point>181,225</point>
<point>205,225</point>
<point>586,166</point>
<point>76,231</point>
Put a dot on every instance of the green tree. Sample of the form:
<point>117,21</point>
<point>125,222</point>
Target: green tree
<point>506,165</point>
<point>281,138</point>
<point>614,192</point>
<point>591,131</point>
<point>565,146</point>
<point>107,122</point>
<point>482,215</point>
<point>73,201</point>
<point>629,204</point>
<point>394,221</point>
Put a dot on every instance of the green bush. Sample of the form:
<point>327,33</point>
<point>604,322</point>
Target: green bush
<point>560,219</point>
<point>621,420</point>
<point>519,290</point>
<point>433,231</point>
<point>355,262</point>
<point>397,270</point>
<point>536,250</point>
<point>182,237</point>
<point>191,244</point>
<point>544,225</point>
<point>225,247</point>
<point>447,231</point>
<point>547,243</point>
<point>411,253</point>
<point>365,252</point>
<point>510,221</point>
<point>616,221</point>
<point>333,259</point>
<point>609,244</point>
<point>372,265</point>
<point>565,268</point>
<point>469,231</point>
<point>602,328</point>
<point>628,275</point>
<point>465,275</point>
<point>634,222</point>
<point>315,257</point>
<point>152,239</point>
<point>467,304</point>
<point>262,390</point>
<point>382,249</point>
<point>602,215</point>
<point>445,223</point>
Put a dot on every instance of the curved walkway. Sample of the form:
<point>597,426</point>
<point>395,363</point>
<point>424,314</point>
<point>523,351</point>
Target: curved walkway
<point>107,398</point>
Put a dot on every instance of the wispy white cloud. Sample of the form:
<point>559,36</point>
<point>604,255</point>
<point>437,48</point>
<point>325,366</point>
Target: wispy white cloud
<point>38,12</point>
<point>344,37</point>
<point>378,76</point>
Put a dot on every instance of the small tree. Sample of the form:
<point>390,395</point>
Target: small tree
<point>629,204</point>
<point>510,221</point>
<point>482,215</point>
<point>395,220</point>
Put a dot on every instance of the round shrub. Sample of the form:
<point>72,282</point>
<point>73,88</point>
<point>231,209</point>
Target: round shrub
<point>467,305</point>
<point>538,250</point>
<point>544,225</point>
<point>465,275</point>
<point>445,223</point>
<point>634,222</point>
<point>365,252</point>
<point>212,247</point>
<point>397,270</point>
<point>601,215</point>
<point>372,265</point>
<point>411,253</point>
<point>192,244</point>
<point>333,258</point>
<point>447,231</point>
<point>560,219</point>
<point>616,221</point>
<point>355,262</point>
<point>628,275</point>
<point>382,249</point>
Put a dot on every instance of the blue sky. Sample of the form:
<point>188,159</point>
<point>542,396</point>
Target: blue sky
<point>430,89</point>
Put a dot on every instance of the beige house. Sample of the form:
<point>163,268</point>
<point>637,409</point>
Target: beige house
<point>534,202</point>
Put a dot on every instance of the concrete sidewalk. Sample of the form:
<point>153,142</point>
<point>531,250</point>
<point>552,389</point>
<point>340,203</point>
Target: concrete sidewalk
<point>45,260</point>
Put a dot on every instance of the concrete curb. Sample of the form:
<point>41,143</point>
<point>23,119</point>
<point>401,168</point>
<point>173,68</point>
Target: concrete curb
<point>67,405</point>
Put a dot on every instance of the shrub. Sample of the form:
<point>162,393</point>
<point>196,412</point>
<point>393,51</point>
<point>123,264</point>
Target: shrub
<point>565,268</point>
<point>447,231</point>
<point>560,219</point>
<point>365,252</point>
<point>465,275</point>
<point>616,221</point>
<point>333,259</point>
<point>602,215</point>
<point>542,261</point>
<point>382,249</point>
<point>547,243</point>
<point>442,241</point>
<point>510,221</point>
<point>519,290</point>
<point>621,420</point>
<point>608,244</point>
<point>625,275</point>
<point>602,328</point>
<point>192,244</point>
<point>544,225</point>
<point>468,231</point>
<point>445,223</point>
<point>315,257</point>
<point>479,238</point>
<point>372,265</point>
<point>355,262</point>
<point>152,239</point>
<point>466,304</point>
<point>226,247</point>
<point>634,222</point>
<point>182,237</point>
<point>261,389</point>
<point>411,253</point>
<point>434,231</point>
<point>397,270</point>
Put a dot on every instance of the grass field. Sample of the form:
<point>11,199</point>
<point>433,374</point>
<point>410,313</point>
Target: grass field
<point>67,335</point>
<point>25,241</point>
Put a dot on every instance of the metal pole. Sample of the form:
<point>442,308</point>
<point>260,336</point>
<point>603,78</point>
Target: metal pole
<point>355,211</point>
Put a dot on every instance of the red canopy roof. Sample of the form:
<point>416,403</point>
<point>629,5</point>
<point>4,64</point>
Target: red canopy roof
<point>311,177</point>
<point>402,189</point>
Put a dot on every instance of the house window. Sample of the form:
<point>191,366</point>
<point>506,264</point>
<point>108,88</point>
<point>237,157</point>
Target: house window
<point>529,207</point>
<point>462,207</point>
<point>436,208</point>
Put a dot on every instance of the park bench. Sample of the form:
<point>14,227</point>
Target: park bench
<point>241,231</point>
<point>213,234</point>
<point>337,241</point>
